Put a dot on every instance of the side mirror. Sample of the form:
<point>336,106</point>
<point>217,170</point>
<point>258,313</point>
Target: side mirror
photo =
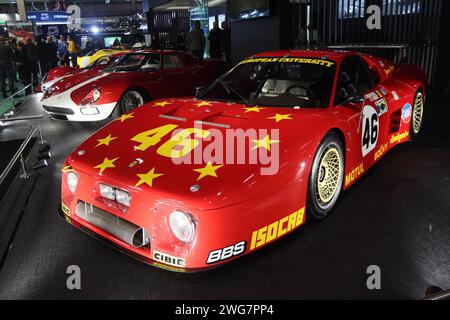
<point>200,90</point>
<point>357,99</point>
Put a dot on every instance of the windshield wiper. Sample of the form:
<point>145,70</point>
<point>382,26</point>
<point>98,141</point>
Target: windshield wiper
<point>236,92</point>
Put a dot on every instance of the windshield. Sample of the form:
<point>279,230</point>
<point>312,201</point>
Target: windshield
<point>277,82</point>
<point>91,53</point>
<point>136,61</point>
<point>102,61</point>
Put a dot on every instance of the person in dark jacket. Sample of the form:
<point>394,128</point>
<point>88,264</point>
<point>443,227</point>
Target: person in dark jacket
<point>89,47</point>
<point>22,66</point>
<point>226,41</point>
<point>32,52</point>
<point>43,58</point>
<point>6,67</point>
<point>52,52</point>
<point>215,41</point>
<point>47,55</point>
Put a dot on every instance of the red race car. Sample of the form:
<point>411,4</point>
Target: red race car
<point>61,72</point>
<point>135,79</point>
<point>189,184</point>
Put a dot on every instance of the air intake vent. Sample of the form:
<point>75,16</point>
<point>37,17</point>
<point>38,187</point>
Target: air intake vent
<point>126,231</point>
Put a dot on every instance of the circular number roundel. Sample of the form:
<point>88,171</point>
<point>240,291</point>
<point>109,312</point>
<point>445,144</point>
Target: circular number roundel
<point>371,130</point>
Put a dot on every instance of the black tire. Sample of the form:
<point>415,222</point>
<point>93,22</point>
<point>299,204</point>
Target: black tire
<point>417,115</point>
<point>328,169</point>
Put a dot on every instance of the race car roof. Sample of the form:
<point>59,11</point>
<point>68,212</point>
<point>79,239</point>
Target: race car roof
<point>157,51</point>
<point>322,54</point>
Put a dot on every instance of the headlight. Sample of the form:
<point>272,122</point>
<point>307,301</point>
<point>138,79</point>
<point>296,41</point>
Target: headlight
<point>96,95</point>
<point>120,196</point>
<point>123,197</point>
<point>92,97</point>
<point>72,181</point>
<point>182,225</point>
<point>107,192</point>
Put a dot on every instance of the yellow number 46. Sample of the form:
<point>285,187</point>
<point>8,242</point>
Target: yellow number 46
<point>179,146</point>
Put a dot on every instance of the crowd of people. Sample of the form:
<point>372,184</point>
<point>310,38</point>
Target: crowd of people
<point>219,41</point>
<point>23,60</point>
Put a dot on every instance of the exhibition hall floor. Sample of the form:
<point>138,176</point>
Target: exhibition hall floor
<point>396,217</point>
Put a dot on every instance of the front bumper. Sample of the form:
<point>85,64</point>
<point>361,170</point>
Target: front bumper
<point>222,234</point>
<point>77,113</point>
<point>65,213</point>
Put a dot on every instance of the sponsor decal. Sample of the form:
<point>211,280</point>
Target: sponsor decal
<point>382,106</point>
<point>381,151</point>
<point>381,63</point>
<point>168,259</point>
<point>370,130</point>
<point>407,113</point>
<point>399,137</point>
<point>373,96</point>
<point>383,91</point>
<point>136,162</point>
<point>395,95</point>
<point>277,229</point>
<point>65,209</point>
<point>354,174</point>
<point>321,62</point>
<point>227,253</point>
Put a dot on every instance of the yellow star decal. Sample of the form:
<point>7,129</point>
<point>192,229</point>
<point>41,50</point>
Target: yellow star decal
<point>125,117</point>
<point>162,104</point>
<point>253,109</point>
<point>280,117</point>
<point>203,104</point>
<point>148,177</point>
<point>208,170</point>
<point>105,141</point>
<point>107,163</point>
<point>264,143</point>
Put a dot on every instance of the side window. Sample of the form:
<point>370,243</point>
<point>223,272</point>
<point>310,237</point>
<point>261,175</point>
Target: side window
<point>172,61</point>
<point>354,79</point>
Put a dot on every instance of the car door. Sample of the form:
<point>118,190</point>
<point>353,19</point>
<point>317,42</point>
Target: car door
<point>176,76</point>
<point>363,102</point>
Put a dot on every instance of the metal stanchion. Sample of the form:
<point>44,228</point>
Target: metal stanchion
<point>41,136</point>
<point>25,175</point>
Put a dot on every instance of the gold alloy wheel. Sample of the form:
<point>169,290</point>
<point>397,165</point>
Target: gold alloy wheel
<point>328,177</point>
<point>418,113</point>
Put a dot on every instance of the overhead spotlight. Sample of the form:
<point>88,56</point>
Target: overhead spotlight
<point>95,30</point>
<point>40,165</point>
<point>44,149</point>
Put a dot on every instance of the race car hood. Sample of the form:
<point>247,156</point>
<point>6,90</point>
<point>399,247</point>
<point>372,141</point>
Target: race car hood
<point>131,152</point>
<point>70,81</point>
<point>60,71</point>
